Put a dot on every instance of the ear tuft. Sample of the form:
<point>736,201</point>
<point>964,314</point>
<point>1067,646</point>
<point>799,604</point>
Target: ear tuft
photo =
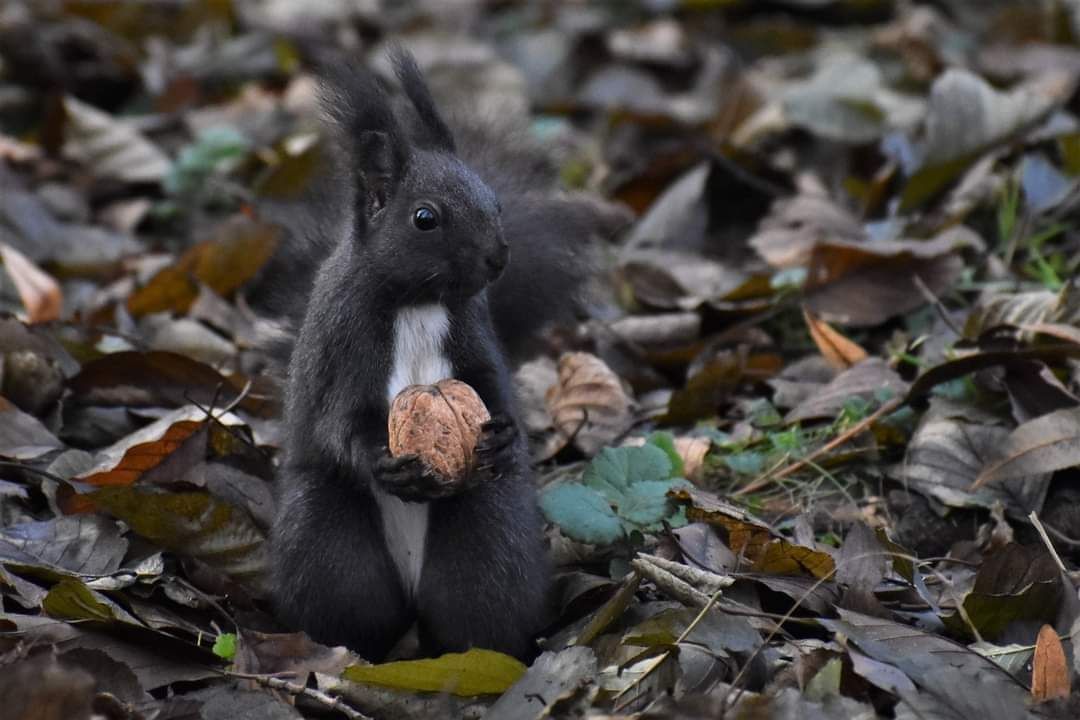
<point>357,105</point>
<point>378,167</point>
<point>416,89</point>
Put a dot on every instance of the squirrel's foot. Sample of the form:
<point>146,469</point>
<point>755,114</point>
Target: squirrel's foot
<point>496,453</point>
<point>411,479</point>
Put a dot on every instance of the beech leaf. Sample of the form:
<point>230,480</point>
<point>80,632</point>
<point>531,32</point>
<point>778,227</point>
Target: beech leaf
<point>1049,670</point>
<point>1047,443</point>
<point>475,672</point>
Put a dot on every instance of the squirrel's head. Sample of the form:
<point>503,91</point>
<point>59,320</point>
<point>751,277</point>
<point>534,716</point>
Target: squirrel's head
<point>427,224</point>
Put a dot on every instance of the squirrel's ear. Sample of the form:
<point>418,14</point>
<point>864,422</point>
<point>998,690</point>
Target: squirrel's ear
<point>378,168</point>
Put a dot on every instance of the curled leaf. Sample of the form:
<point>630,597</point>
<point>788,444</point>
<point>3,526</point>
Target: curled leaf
<point>589,405</point>
<point>38,291</point>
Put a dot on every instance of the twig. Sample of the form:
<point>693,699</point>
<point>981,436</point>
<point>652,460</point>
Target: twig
<point>277,683</point>
<point>1046,541</point>
<point>216,419</point>
<point>836,442</point>
<point>658,660</point>
<point>933,299</point>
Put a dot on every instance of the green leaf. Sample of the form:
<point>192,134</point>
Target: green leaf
<point>614,470</point>
<point>624,490</point>
<point>70,599</point>
<point>646,503</point>
<point>225,646</point>
<point>581,512</point>
<point>476,672</point>
<point>747,462</point>
<point>210,152</point>
<point>666,442</point>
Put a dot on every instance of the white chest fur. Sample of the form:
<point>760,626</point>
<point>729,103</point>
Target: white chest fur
<point>419,357</point>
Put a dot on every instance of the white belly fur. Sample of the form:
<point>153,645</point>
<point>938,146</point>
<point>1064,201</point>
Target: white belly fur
<point>419,334</point>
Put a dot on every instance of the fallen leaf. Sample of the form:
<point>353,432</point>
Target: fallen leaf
<point>41,688</point>
<point>475,672</point>
<point>194,524</point>
<point>111,147</point>
<point>847,100</point>
<point>1049,670</point>
<point>1033,308</point>
<point>872,380</point>
<point>234,254</point>
<point>22,435</point>
<point>962,681</point>
<point>156,379</point>
<point>967,116</point>
<point>1045,444</point>
<point>589,406</point>
<point>125,462</point>
<point>551,678</point>
<point>787,235</point>
<point>946,453</point>
<point>1016,584</point>
<point>87,545</point>
<point>780,557</point>
<point>693,450</point>
<point>841,352</point>
<point>38,291</point>
<point>712,383</point>
<point>866,283</point>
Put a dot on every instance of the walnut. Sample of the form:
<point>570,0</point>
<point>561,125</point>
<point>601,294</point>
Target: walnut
<point>441,423</point>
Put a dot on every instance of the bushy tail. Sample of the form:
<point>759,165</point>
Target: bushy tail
<point>552,237</point>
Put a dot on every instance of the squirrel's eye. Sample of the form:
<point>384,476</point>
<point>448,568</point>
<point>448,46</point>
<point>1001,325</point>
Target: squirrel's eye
<point>425,218</point>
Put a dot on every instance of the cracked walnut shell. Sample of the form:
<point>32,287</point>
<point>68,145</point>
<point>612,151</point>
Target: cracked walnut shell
<point>441,423</point>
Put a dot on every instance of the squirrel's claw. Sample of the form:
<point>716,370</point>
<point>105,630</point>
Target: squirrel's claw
<point>409,478</point>
<point>495,453</point>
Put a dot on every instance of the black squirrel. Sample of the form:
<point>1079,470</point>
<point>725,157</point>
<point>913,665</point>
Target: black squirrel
<point>426,253</point>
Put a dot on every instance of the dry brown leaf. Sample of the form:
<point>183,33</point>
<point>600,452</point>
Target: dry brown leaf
<point>781,557</point>
<point>752,539</point>
<point>869,380</point>
<point>111,147</point>
<point>1049,671</point>
<point>126,461</point>
<point>693,450</point>
<point>589,406</point>
<point>39,292</point>
<point>237,251</point>
<point>794,226</point>
<point>840,352</point>
<point>863,283</point>
<point>1048,443</point>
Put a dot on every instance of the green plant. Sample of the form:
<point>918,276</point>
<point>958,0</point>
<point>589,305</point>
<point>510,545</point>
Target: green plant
<point>622,491</point>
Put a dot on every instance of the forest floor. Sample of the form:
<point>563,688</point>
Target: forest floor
<point>813,452</point>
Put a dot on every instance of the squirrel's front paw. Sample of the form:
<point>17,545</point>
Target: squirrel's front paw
<point>409,478</point>
<point>496,453</point>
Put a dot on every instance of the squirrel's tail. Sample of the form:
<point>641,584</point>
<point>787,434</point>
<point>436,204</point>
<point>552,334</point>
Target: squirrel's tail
<point>552,234</point>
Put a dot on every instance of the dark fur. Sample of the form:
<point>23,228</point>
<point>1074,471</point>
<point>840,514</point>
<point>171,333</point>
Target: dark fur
<point>485,576</point>
<point>550,233</point>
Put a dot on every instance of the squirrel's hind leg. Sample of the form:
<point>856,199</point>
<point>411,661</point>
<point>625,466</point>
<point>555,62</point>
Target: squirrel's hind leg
<point>332,575</point>
<point>486,571</point>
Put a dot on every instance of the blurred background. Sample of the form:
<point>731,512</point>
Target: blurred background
<point>831,199</point>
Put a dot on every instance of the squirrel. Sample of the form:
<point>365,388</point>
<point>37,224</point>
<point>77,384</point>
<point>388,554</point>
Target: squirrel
<point>426,253</point>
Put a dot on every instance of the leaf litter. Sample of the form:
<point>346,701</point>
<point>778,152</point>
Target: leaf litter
<point>813,453</point>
